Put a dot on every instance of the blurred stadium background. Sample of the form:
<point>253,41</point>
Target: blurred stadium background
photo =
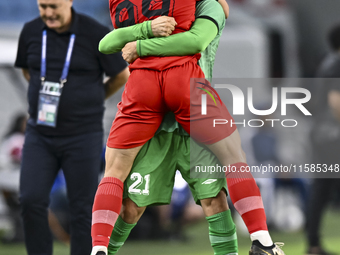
<point>262,39</point>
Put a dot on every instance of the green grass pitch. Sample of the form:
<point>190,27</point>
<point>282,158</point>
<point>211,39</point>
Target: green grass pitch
<point>198,244</point>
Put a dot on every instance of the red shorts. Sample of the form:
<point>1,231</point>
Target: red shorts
<point>149,94</point>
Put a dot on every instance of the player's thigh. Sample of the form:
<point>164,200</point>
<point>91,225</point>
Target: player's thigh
<point>192,156</point>
<point>39,168</point>
<point>229,149</point>
<point>81,164</point>
<point>119,162</point>
<point>139,113</point>
<point>151,178</point>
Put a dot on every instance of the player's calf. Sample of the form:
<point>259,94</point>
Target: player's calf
<point>108,199</point>
<point>222,230</point>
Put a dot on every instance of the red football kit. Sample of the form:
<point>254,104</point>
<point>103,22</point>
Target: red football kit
<point>160,84</point>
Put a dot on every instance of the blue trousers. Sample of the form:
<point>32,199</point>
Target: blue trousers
<point>79,157</point>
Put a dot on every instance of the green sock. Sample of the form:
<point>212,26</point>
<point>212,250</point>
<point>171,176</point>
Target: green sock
<point>119,235</point>
<point>222,234</point>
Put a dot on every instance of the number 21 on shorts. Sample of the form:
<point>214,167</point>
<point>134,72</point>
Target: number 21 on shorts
<point>138,178</point>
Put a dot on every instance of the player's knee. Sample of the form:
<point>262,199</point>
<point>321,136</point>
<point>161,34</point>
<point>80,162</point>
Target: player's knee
<point>236,155</point>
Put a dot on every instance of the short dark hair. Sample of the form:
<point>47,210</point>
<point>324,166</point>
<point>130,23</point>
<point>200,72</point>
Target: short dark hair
<point>334,37</point>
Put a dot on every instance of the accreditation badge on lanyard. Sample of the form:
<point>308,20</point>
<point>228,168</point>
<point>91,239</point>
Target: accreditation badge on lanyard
<point>50,92</point>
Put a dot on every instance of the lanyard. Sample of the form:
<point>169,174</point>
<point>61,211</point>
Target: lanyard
<point>67,60</point>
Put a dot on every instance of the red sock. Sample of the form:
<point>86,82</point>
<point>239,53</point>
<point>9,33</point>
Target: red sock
<point>106,208</point>
<point>246,198</point>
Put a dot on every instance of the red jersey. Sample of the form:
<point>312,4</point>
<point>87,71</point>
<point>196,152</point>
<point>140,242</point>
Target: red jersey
<point>130,12</point>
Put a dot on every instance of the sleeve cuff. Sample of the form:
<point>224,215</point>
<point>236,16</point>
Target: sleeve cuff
<point>150,34</point>
<point>144,31</point>
<point>139,48</point>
